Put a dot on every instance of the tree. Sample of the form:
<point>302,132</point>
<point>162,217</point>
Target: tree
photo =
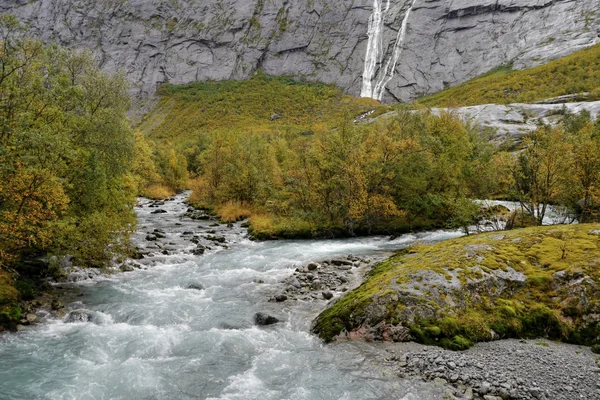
<point>65,152</point>
<point>541,170</point>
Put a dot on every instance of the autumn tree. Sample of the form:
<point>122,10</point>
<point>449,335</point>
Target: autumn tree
<point>65,152</point>
<point>541,170</point>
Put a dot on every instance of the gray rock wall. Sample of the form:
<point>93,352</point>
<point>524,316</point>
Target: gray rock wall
<point>446,41</point>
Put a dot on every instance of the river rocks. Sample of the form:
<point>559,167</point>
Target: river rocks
<point>159,211</point>
<point>312,266</point>
<point>280,298</point>
<point>596,349</point>
<point>197,215</point>
<point>78,316</point>
<point>151,238</point>
<point>199,250</point>
<point>160,234</point>
<point>56,304</point>
<point>263,319</point>
<point>217,239</point>
<point>341,262</point>
<point>323,280</point>
<point>31,318</point>
<point>77,274</point>
<point>508,369</point>
<point>195,286</point>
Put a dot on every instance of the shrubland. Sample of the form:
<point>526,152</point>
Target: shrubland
<point>578,73</point>
<point>396,174</point>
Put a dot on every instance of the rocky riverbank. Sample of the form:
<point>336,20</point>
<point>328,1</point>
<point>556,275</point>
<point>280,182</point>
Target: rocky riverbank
<point>328,279</point>
<point>535,369</point>
<point>501,370</point>
<point>528,283</point>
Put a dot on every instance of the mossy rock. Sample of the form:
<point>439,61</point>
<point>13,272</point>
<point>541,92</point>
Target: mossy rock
<point>526,283</point>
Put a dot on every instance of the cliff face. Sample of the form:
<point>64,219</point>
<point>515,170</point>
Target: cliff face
<point>388,49</point>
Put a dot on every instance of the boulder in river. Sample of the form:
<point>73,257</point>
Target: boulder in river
<point>195,286</point>
<point>159,211</point>
<point>78,316</point>
<point>327,295</point>
<point>280,298</point>
<point>341,262</point>
<point>31,318</point>
<point>56,304</point>
<point>262,319</point>
<point>199,250</point>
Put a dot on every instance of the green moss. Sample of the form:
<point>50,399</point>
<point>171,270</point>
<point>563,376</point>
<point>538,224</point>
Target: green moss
<point>538,308</point>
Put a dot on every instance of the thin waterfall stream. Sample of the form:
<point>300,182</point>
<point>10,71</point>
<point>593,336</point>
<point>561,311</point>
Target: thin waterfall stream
<point>378,71</point>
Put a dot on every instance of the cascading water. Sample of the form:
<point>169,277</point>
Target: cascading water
<point>183,327</point>
<point>376,76</point>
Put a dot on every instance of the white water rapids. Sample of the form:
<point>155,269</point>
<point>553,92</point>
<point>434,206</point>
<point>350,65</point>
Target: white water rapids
<point>377,71</point>
<point>152,338</point>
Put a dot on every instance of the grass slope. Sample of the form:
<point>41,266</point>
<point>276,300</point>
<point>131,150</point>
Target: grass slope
<point>260,104</point>
<point>577,73</point>
<point>467,309</point>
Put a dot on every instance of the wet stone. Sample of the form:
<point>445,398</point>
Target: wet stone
<point>263,319</point>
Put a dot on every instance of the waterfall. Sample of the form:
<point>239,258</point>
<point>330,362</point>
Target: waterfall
<point>374,80</point>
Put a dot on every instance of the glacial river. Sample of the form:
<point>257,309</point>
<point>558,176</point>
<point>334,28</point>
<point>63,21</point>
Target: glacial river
<point>150,337</point>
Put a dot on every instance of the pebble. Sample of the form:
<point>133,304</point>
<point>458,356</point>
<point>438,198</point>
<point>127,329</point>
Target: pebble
<point>508,369</point>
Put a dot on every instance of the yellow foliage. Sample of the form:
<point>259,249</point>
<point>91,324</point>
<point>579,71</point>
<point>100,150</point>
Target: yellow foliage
<point>233,211</point>
<point>199,188</point>
<point>157,191</point>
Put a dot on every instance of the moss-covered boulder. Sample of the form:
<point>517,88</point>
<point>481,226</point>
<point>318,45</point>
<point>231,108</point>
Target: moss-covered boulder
<point>533,282</point>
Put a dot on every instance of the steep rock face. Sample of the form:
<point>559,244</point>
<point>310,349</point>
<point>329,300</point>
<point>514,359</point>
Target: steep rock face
<point>418,46</point>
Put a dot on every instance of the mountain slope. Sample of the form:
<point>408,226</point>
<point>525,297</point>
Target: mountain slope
<point>574,74</point>
<point>426,45</point>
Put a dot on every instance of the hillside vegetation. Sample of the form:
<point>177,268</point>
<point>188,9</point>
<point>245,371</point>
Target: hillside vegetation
<point>577,73</point>
<point>262,104</point>
<point>534,282</point>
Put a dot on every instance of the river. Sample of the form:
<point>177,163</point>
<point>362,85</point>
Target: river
<point>151,337</point>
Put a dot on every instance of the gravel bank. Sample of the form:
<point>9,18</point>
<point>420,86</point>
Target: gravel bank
<point>500,370</point>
